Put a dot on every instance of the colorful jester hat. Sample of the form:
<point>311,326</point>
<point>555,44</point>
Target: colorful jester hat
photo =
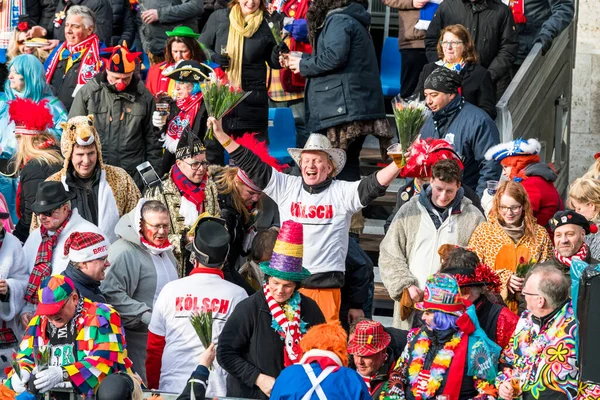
<point>121,60</point>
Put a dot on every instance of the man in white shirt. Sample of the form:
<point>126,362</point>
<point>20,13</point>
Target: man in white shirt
<point>173,345</point>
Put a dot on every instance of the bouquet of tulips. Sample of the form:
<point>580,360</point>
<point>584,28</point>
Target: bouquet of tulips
<point>220,97</point>
<point>410,115</point>
<point>523,267</point>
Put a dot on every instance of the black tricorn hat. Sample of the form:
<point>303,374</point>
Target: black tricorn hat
<point>211,242</point>
<point>50,195</point>
<point>187,71</point>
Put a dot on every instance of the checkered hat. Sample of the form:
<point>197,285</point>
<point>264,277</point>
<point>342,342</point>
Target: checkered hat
<point>369,338</point>
<point>86,246</point>
<point>53,293</point>
<point>442,293</point>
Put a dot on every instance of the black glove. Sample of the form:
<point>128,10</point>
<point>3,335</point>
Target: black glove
<point>545,41</point>
<point>281,48</point>
<point>222,60</point>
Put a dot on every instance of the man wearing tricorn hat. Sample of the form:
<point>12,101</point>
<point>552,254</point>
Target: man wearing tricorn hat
<point>569,230</point>
<point>173,344</point>
<point>468,128</point>
<point>323,205</point>
<point>122,107</point>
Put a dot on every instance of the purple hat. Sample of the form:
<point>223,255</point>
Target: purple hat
<point>286,262</point>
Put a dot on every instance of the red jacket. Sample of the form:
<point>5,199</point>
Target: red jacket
<point>545,199</point>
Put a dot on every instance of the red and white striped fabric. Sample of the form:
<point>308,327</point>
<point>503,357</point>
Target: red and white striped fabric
<point>9,18</point>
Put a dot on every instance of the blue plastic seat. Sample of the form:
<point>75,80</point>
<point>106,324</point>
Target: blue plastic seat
<point>282,133</point>
<point>390,67</point>
<point>2,55</point>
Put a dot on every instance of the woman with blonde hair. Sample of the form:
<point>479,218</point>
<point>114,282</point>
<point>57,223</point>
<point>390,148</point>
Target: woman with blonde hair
<point>456,51</point>
<point>19,44</point>
<point>584,198</point>
<point>510,237</point>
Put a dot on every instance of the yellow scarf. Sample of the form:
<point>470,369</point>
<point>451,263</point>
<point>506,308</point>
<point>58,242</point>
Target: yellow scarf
<point>240,27</point>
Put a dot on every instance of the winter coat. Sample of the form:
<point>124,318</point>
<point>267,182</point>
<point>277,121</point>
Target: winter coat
<point>490,23</point>
<point>343,82</point>
<point>249,346</point>
<point>170,15</point>
<point>593,242</point>
<point>253,113</point>
<point>472,132</point>
<point>496,320</point>
<point>408,16</point>
<point>87,287</point>
<point>32,174</point>
<point>123,121</point>
<point>490,238</point>
<point>102,10</point>
<point>124,23</point>
<point>131,283</point>
<point>168,194</point>
<point>543,196</point>
<point>477,87</point>
<point>546,19</point>
<point>408,253</point>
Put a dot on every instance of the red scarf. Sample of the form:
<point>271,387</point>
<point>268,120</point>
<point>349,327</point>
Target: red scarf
<point>192,192</point>
<point>43,261</point>
<point>90,64</point>
<point>202,270</point>
<point>581,254</point>
<point>188,108</point>
<point>518,10</point>
<point>290,330</point>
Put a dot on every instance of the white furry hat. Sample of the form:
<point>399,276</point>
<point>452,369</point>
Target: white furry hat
<point>517,147</point>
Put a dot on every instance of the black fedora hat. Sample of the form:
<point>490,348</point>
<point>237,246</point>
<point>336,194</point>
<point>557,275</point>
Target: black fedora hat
<point>50,195</point>
<point>211,242</point>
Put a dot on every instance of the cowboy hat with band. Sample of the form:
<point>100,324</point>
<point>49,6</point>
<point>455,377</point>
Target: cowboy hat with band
<point>318,142</point>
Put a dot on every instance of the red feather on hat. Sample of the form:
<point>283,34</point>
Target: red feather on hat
<point>424,154</point>
<point>28,114</point>
<point>250,142</point>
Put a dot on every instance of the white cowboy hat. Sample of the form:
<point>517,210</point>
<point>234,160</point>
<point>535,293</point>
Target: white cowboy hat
<point>318,142</point>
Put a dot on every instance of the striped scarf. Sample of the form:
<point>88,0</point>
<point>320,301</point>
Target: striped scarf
<point>188,109</point>
<point>43,261</point>
<point>581,254</point>
<point>88,51</point>
<point>290,330</point>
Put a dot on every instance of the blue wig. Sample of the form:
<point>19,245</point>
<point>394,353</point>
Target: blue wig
<point>34,76</point>
<point>195,87</point>
<point>443,321</point>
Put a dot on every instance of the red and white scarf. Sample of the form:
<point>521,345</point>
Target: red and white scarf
<point>192,202</point>
<point>290,330</point>
<point>518,11</point>
<point>188,108</point>
<point>90,64</point>
<point>581,254</point>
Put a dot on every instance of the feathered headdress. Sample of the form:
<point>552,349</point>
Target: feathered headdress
<point>424,154</point>
<point>481,275</point>
<point>250,142</point>
<point>30,118</point>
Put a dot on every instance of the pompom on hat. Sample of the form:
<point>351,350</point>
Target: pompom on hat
<point>571,217</point>
<point>53,293</point>
<point>30,118</point>
<point>424,154</point>
<point>286,262</point>
<point>442,293</point>
<point>86,246</point>
<point>369,338</point>
<point>517,147</point>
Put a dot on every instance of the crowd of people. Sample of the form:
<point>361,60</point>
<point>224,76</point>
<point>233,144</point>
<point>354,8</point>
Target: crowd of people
<point>122,218</point>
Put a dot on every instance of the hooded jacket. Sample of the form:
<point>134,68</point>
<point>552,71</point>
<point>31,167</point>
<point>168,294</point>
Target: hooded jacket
<point>87,287</point>
<point>543,196</point>
<point>131,283</point>
<point>123,121</point>
<point>115,191</point>
<point>472,132</point>
<point>343,82</point>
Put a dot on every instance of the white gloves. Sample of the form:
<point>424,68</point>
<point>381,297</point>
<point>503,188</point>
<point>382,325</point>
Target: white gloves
<point>48,378</point>
<point>19,383</point>
<point>159,119</point>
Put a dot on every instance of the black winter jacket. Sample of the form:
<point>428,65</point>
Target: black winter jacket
<point>490,23</point>
<point>123,121</point>
<point>249,346</point>
<point>253,113</point>
<point>477,87</point>
<point>39,12</point>
<point>124,23</point>
<point>101,8</point>
<point>343,82</point>
<point>472,132</point>
<point>32,174</point>
<point>87,287</point>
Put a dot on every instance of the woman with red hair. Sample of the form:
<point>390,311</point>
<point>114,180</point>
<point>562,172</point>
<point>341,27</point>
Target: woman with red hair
<point>521,163</point>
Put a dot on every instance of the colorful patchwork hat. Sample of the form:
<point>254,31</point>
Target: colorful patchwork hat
<point>517,147</point>
<point>286,262</point>
<point>53,293</point>
<point>369,338</point>
<point>442,293</point>
<point>121,60</point>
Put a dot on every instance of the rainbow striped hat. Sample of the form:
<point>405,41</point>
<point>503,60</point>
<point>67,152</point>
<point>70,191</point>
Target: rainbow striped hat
<point>53,293</point>
<point>286,262</point>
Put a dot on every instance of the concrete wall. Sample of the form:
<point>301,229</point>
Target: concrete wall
<point>585,117</point>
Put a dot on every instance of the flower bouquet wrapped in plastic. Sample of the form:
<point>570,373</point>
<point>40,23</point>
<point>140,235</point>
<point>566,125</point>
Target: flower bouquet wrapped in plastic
<point>410,115</point>
<point>220,97</point>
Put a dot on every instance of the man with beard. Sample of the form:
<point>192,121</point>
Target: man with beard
<point>122,107</point>
<point>569,230</point>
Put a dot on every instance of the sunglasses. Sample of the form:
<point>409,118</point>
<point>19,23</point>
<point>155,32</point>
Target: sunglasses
<point>49,213</point>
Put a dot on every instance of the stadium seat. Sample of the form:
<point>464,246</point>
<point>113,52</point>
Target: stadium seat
<point>2,55</point>
<point>282,133</point>
<point>390,67</point>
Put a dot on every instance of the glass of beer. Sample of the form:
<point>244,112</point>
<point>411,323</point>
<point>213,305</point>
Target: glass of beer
<point>395,152</point>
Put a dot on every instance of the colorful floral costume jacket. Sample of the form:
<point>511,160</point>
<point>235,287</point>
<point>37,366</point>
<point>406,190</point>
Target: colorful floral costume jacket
<point>99,350</point>
<point>544,350</point>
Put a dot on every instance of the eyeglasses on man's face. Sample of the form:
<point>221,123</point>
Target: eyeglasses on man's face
<point>157,227</point>
<point>195,165</point>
